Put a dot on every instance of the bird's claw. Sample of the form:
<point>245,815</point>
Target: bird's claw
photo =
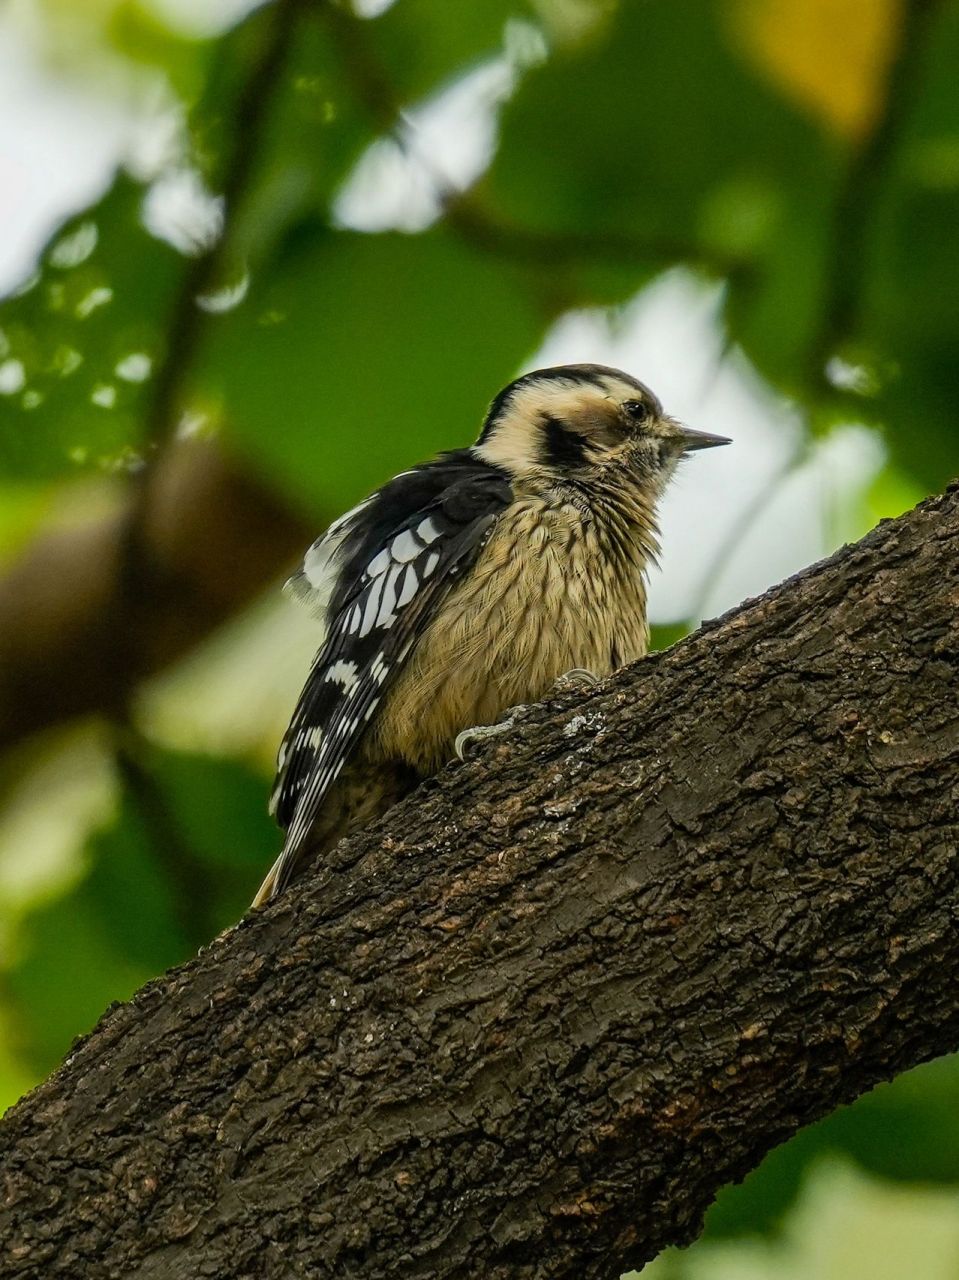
<point>480,732</point>
<point>578,678</point>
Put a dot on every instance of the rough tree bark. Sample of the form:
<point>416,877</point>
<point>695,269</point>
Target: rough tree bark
<point>528,1024</point>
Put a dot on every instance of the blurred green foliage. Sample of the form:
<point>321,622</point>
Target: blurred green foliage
<point>359,354</point>
<point>86,331</point>
<point>634,137</point>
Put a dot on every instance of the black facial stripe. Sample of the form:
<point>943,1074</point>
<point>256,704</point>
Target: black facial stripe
<point>561,446</point>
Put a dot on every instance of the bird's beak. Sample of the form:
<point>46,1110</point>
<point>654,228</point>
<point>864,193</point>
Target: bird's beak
<point>700,439</point>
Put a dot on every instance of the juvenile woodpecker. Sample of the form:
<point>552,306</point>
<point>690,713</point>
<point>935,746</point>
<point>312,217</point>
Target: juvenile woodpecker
<point>470,584</point>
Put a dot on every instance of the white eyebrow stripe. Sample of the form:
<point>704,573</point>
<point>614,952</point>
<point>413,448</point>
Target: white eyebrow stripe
<point>372,605</point>
<point>404,547</point>
<point>410,586</point>
<point>427,531</point>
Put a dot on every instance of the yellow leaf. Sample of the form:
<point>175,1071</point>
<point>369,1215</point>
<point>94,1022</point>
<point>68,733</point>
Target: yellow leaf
<point>830,56</point>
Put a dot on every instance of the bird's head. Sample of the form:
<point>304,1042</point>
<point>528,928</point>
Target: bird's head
<point>586,423</point>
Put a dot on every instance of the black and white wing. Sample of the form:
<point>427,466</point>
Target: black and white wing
<point>376,577</point>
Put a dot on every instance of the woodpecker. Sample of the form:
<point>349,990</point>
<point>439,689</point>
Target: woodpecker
<point>470,584</point>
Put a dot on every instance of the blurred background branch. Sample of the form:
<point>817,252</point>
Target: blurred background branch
<point>246,125</point>
<point>214,537</point>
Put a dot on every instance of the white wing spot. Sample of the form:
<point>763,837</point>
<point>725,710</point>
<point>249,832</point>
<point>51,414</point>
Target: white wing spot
<point>372,707</point>
<point>344,673</point>
<point>427,531</point>
<point>390,585</point>
<point>410,584</point>
<point>355,618</point>
<point>385,617</point>
<point>379,669</point>
<point>432,560</point>
<point>404,547</point>
<point>372,605</point>
<point>380,563</point>
<point>321,564</point>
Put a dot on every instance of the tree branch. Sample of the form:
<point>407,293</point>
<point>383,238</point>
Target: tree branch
<point>530,1023</point>
<point>214,538</point>
<point>123,597</point>
<point>249,114</point>
<point>137,578</point>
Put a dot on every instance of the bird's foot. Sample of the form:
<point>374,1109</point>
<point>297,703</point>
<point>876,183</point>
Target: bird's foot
<point>578,678</point>
<point>480,732</point>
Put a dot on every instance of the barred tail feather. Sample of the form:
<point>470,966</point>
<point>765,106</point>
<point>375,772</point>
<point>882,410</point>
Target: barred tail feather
<point>362,793</point>
<point>276,878</point>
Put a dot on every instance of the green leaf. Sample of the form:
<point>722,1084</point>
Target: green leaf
<point>80,341</point>
<point>220,806</point>
<point>910,318</point>
<point>661,134</point>
<point>423,43</point>
<point>15,1076</point>
<point>313,132</point>
<point>357,355</point>
<point>97,943</point>
<point>79,344</point>
<point>892,493</point>
<point>209,834</point>
<point>180,862</point>
<point>663,635</point>
<point>137,31</point>
<point>22,510</point>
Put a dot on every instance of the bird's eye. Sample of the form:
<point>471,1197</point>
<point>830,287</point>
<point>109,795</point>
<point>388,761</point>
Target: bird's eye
<point>636,410</point>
